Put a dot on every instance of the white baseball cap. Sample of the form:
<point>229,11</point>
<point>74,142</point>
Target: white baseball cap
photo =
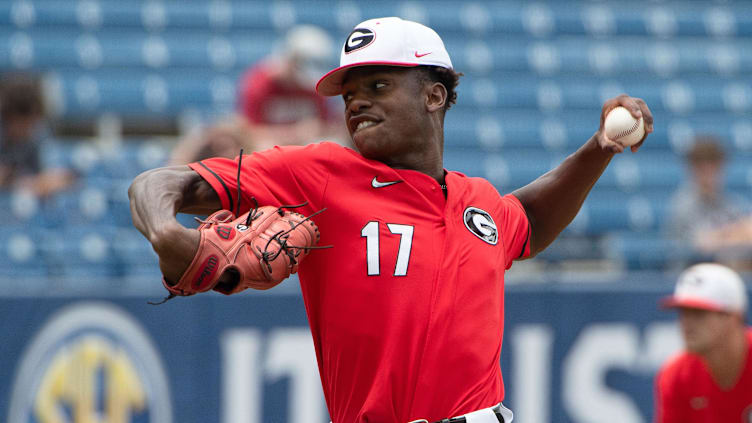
<point>709,286</point>
<point>312,50</point>
<point>386,41</point>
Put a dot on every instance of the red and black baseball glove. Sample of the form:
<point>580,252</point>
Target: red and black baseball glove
<point>257,250</point>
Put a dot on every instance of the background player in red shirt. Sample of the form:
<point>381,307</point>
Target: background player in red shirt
<point>276,103</point>
<point>407,309</point>
<point>277,97</point>
<point>711,381</point>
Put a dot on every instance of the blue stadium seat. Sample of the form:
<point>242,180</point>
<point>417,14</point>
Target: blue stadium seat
<point>526,129</point>
<point>138,156</point>
<point>84,251</point>
<point>645,251</point>
<point>572,56</point>
<point>119,204</point>
<point>586,18</point>
<point>81,206</point>
<point>19,207</point>
<point>707,93</point>
<point>119,48</point>
<point>135,254</point>
<point>610,211</point>
<point>507,172</point>
<point>575,18</point>
<point>20,252</point>
<point>144,93</point>
<point>512,168</point>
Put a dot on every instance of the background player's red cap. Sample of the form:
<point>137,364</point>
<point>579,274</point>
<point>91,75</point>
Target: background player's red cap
<point>386,41</point>
<point>709,286</point>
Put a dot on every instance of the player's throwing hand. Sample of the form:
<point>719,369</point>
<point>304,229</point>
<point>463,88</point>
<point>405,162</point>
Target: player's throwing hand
<point>638,109</point>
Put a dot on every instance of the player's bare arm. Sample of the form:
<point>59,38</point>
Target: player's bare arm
<point>553,200</point>
<point>156,196</point>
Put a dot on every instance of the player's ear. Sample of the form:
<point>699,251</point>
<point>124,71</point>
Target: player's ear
<point>436,96</point>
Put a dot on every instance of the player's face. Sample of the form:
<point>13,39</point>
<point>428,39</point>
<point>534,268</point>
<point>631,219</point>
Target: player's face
<point>385,112</point>
<point>704,330</point>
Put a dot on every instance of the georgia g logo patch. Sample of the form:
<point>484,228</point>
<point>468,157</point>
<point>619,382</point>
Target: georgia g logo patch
<point>481,224</point>
<point>359,38</point>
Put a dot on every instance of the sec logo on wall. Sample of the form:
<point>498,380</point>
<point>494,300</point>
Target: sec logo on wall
<point>91,362</point>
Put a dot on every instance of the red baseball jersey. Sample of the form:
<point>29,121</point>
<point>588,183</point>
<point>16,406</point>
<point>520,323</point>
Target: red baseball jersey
<point>407,308</point>
<point>266,101</point>
<point>687,393</point>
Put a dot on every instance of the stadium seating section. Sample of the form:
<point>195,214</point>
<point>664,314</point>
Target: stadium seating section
<point>535,77</point>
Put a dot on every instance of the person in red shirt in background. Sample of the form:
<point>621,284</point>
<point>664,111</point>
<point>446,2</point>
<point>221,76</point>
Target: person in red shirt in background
<point>276,105</point>
<point>711,380</point>
<point>277,96</point>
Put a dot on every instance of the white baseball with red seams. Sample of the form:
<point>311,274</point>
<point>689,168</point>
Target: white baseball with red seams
<point>622,127</point>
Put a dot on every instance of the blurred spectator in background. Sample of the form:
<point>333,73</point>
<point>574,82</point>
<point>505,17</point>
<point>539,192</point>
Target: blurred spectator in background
<point>22,130</point>
<point>702,206</point>
<point>278,96</point>
<point>277,103</point>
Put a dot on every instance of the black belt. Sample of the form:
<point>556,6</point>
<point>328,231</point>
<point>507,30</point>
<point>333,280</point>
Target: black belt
<point>462,419</point>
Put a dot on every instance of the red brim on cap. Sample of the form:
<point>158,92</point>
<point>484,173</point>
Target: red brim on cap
<point>331,83</point>
<point>673,302</point>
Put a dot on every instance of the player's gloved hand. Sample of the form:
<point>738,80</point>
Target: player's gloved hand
<point>637,107</point>
<point>257,250</point>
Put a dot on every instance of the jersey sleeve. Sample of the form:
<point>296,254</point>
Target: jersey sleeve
<point>667,407</point>
<point>279,176</point>
<point>515,229</point>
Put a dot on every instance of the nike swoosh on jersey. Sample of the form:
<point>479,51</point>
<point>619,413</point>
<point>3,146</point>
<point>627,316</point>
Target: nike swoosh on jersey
<point>421,55</point>
<point>376,184</point>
